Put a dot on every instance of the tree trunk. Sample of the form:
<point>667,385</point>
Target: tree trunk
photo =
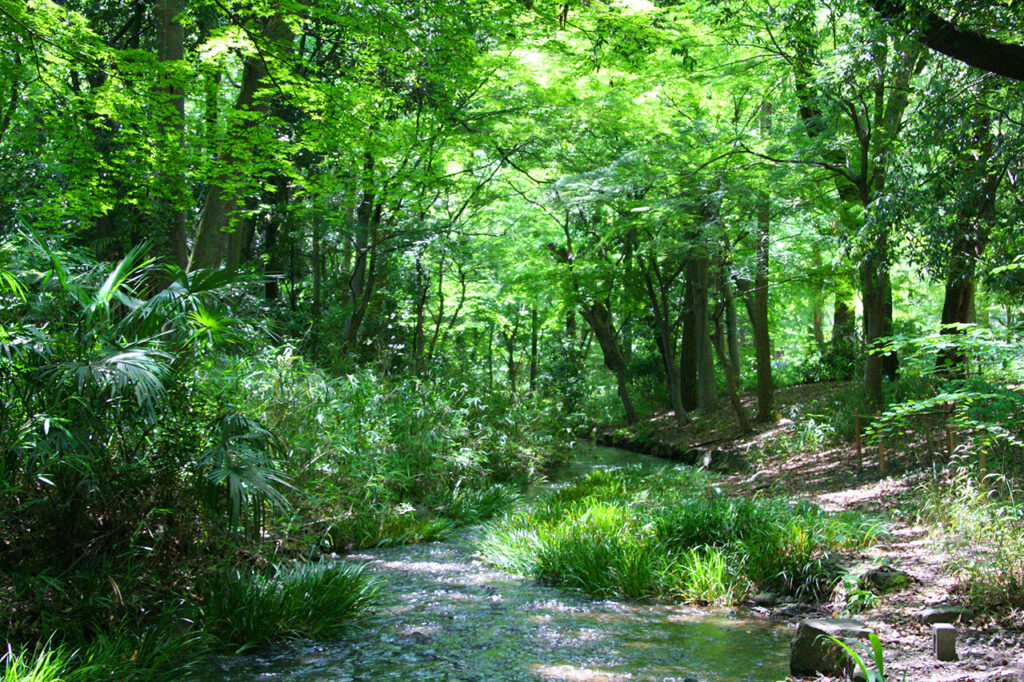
<point>707,388</point>
<point>755,296</point>
<point>971,231</point>
<point>599,319</point>
<point>688,393</point>
<point>318,268</point>
<point>422,289</point>
<point>534,334</point>
<point>221,209</point>
<point>732,333</point>
<point>732,386</point>
<point>877,295</point>
<point>658,298</point>
<point>170,210</point>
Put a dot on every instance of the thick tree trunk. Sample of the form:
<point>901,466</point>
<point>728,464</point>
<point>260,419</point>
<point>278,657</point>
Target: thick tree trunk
<point>170,210</point>
<point>972,231</point>
<point>732,333</point>
<point>688,393</point>
<point>221,210</point>
<point>877,294</point>
<point>969,47</point>
<point>755,296</point>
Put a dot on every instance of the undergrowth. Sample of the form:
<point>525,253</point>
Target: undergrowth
<point>314,601</point>
<point>980,523</point>
<point>670,534</point>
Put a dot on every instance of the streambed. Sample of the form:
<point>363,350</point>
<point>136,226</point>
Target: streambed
<point>452,618</point>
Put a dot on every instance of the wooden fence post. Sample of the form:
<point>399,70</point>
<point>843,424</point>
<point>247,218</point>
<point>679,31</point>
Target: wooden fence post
<point>881,447</point>
<point>856,431</point>
<point>949,432</point>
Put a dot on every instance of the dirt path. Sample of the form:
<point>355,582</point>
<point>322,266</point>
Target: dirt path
<point>830,477</point>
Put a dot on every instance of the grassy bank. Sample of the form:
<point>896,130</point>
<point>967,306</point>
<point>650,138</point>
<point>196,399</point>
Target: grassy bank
<point>671,534</point>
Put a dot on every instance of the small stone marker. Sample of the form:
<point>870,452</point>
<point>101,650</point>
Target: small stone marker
<point>944,641</point>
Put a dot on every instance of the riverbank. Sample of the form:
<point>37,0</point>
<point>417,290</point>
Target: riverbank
<point>805,455</point>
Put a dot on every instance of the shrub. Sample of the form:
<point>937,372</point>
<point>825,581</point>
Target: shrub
<point>315,600</point>
<point>43,665</point>
<point>633,534</point>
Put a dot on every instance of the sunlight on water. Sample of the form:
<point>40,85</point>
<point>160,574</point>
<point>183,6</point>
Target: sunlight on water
<point>452,618</point>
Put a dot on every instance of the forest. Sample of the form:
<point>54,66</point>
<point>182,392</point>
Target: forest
<point>297,296</point>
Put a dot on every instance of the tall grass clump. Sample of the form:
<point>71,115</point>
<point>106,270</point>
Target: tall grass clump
<point>313,600</point>
<point>165,652</point>
<point>980,523</point>
<point>634,534</point>
<point>43,665</point>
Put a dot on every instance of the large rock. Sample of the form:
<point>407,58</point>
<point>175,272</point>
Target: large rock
<point>812,653</point>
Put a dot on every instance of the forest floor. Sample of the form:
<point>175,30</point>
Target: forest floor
<point>990,648</point>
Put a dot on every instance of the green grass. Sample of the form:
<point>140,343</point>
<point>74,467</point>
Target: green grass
<point>635,534</point>
<point>43,665</point>
<point>980,523</point>
<point>304,600</point>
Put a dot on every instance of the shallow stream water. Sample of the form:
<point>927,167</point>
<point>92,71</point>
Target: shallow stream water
<point>452,618</point>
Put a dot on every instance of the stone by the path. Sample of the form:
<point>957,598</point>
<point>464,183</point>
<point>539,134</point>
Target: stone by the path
<point>723,460</point>
<point>812,653</point>
<point>765,599</point>
<point>944,641</point>
<point>946,613</point>
<point>884,579</point>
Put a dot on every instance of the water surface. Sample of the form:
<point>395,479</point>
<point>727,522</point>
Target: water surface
<point>452,618</point>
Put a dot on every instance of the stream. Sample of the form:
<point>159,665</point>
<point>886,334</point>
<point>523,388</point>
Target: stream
<point>452,618</point>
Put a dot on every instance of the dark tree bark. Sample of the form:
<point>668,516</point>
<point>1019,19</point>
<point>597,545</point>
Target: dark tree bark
<point>220,213</point>
<point>860,173</point>
<point>688,392</point>
<point>756,299</point>
<point>877,296</point>
<point>707,387</point>
<point>658,285</point>
<point>944,36</point>
<point>422,289</point>
<point>597,316</point>
<point>731,383</point>
<point>971,235</point>
<point>170,211</point>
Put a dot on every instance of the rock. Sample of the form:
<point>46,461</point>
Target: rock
<point>884,579</point>
<point>944,642</point>
<point>765,599</point>
<point>723,460</point>
<point>946,613</point>
<point>812,653</point>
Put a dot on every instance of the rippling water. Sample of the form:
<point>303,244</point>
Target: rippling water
<point>452,618</point>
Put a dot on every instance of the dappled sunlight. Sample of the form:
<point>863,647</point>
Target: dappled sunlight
<point>862,495</point>
<point>451,615</point>
<point>569,672</point>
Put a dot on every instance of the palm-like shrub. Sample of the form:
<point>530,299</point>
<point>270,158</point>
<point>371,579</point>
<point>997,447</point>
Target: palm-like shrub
<point>109,435</point>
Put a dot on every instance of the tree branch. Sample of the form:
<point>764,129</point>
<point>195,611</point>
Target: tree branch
<point>969,47</point>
